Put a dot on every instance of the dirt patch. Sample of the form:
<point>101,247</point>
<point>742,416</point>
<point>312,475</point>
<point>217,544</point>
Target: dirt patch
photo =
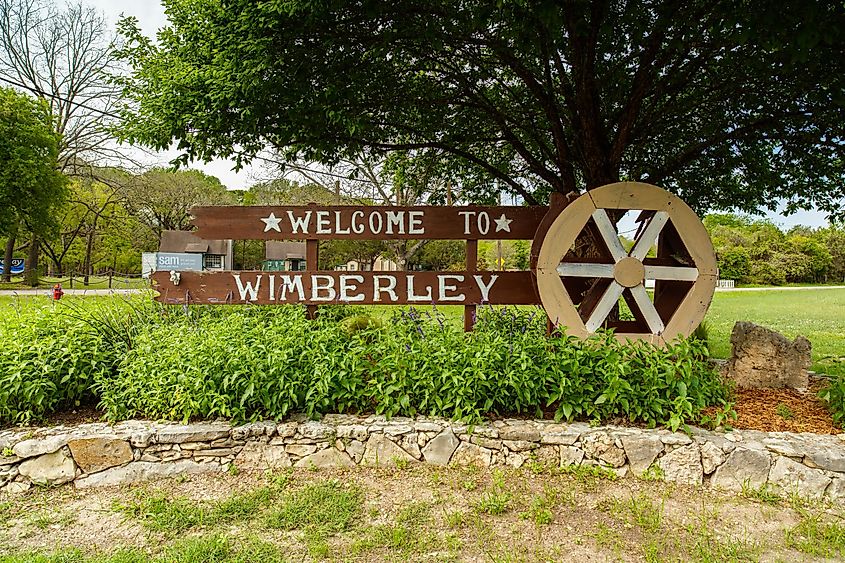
<point>424,513</point>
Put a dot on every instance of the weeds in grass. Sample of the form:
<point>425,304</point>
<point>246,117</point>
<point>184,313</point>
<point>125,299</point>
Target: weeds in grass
<point>764,493</point>
<point>589,473</point>
<point>328,506</point>
<point>497,500</point>
<point>455,519</point>
<point>539,511</point>
<point>608,538</point>
<point>816,537</point>
<point>706,546</point>
<point>653,473</point>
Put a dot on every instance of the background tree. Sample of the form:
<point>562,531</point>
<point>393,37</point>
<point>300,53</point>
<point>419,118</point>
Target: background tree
<point>63,54</point>
<point>728,105</point>
<point>161,198</point>
<point>30,186</point>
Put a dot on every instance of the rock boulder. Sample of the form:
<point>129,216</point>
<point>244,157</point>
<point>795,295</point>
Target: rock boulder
<point>764,358</point>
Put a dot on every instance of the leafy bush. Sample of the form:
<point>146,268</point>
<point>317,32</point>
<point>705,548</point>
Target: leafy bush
<point>834,395</point>
<point>251,363</point>
<point>48,361</point>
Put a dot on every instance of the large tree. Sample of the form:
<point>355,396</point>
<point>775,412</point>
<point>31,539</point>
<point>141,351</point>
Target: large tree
<point>30,186</point>
<point>729,104</point>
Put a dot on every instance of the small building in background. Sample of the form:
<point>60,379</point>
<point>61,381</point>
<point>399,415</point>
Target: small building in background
<point>380,264</point>
<point>182,251</point>
<point>284,256</point>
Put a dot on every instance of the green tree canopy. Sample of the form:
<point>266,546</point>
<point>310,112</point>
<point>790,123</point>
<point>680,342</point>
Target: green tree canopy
<point>730,104</point>
<point>30,186</point>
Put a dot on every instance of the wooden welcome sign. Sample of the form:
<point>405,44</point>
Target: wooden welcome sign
<point>576,292</point>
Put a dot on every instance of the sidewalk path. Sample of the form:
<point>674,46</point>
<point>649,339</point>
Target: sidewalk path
<point>775,288</point>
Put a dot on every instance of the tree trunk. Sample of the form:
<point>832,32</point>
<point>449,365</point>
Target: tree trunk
<point>10,251</point>
<point>86,265</point>
<point>31,272</point>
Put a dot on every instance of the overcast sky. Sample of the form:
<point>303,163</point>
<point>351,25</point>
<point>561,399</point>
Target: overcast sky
<point>151,17</point>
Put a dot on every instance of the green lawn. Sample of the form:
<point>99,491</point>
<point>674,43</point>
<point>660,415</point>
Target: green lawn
<point>817,314</point>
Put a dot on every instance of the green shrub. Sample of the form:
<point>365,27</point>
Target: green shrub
<point>251,363</point>
<point>48,361</point>
<point>834,395</point>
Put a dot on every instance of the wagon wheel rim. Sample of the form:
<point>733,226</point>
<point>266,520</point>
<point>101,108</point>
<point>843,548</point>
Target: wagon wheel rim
<point>686,284</point>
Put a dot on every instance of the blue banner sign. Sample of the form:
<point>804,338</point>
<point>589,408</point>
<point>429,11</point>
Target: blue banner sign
<point>178,262</point>
<point>17,266</point>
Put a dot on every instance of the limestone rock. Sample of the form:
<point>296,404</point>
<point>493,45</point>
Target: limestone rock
<point>16,488</point>
<point>831,459</point>
<point>356,450</point>
<point>329,457</point>
<point>712,457</point>
<point>316,430</point>
<point>518,445</point>
<point>138,471</point>
<point>470,454</point>
<point>560,434</point>
<point>601,446</point>
<point>439,449</point>
<point>641,451</point>
<point>301,450</point>
<point>742,466</point>
<point>570,455</point>
<point>793,477</point>
<point>836,490</point>
<point>764,358</point>
<point>381,451</point>
<point>178,433</point>
<point>519,431</point>
<point>258,456</point>
<point>96,454</point>
<point>683,465</point>
<point>547,456</point>
<point>49,469</point>
<point>39,446</point>
<point>355,431</point>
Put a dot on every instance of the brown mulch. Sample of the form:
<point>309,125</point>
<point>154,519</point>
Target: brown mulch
<point>783,410</point>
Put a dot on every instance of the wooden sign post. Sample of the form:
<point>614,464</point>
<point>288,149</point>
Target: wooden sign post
<point>576,292</point>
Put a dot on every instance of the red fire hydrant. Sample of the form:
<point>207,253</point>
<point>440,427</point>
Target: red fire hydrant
<point>57,292</point>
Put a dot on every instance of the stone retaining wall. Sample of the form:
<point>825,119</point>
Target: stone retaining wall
<point>99,454</point>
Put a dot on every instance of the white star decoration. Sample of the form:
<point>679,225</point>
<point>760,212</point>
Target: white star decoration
<point>639,251</point>
<point>503,224</point>
<point>271,223</point>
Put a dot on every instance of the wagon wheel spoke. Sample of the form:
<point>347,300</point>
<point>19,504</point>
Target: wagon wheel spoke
<point>604,306</point>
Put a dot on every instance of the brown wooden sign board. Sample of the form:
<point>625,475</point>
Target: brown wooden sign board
<point>361,288</point>
<point>365,222</point>
<point>576,291</point>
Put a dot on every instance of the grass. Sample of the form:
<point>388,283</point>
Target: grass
<point>386,515</point>
<point>816,314</point>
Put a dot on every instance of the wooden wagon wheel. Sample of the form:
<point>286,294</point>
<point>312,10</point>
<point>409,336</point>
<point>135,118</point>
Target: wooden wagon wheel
<point>580,294</point>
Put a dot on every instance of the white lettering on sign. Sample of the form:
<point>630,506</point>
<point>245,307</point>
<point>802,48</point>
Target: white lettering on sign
<point>397,219</point>
<point>412,297</point>
<point>386,222</point>
<point>357,227</point>
<point>415,223</point>
<point>482,221</point>
<point>441,295</point>
<point>243,290</point>
<point>346,286</point>
<point>485,289</point>
<point>290,288</point>
<point>337,229</point>
<point>328,286</point>
<point>291,285</point>
<point>389,289</point>
<point>299,224</point>
<point>323,224</point>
